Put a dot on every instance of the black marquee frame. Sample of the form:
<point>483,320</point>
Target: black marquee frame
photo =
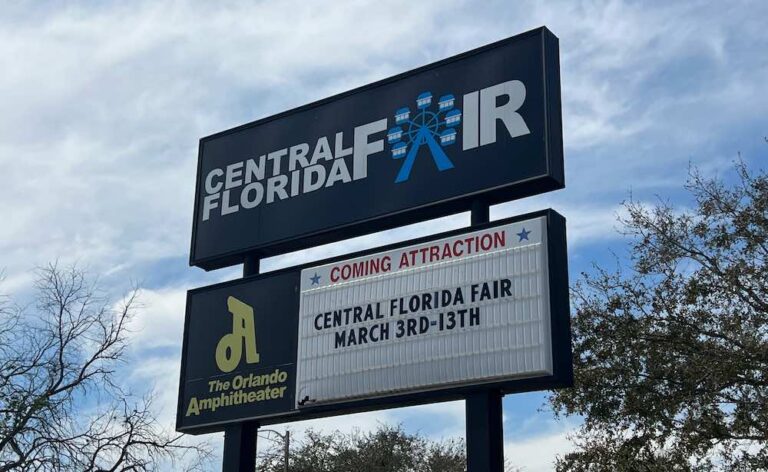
<point>561,377</point>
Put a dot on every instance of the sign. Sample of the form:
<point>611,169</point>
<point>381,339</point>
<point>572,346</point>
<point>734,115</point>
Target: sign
<point>416,322</point>
<point>462,310</point>
<point>239,353</point>
<point>484,124</point>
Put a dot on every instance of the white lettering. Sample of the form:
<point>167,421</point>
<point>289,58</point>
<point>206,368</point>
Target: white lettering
<point>295,182</point>
<point>339,147</point>
<point>339,172</point>
<point>319,172</point>
<point>276,157</point>
<point>234,171</point>
<point>253,170</point>
<point>209,187</point>
<point>209,203</point>
<point>298,153</point>
<point>471,121</point>
<point>246,201</point>
<point>363,148</point>
<point>226,208</point>
<point>276,186</point>
<point>507,113</point>
<point>482,110</point>
<point>322,151</point>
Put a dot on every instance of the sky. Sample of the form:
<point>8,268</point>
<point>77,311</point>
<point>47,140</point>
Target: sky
<point>103,105</point>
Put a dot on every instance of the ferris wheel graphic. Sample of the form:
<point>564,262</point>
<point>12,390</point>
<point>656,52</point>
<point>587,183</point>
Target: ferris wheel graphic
<point>435,129</point>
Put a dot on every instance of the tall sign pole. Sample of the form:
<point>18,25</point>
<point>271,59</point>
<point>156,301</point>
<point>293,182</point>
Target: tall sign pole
<point>485,432</point>
<point>484,411</point>
<point>240,439</point>
<point>239,447</point>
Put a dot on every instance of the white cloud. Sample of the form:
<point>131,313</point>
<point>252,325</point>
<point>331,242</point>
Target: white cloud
<point>103,105</point>
<point>538,453</point>
<point>161,374</point>
<point>101,118</point>
<point>159,320</point>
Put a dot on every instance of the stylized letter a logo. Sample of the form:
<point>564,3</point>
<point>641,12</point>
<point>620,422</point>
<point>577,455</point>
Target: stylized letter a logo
<point>230,348</point>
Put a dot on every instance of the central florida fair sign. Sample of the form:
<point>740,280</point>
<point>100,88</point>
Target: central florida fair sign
<point>427,143</point>
<point>416,322</point>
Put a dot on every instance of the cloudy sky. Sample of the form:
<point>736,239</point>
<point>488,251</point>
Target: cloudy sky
<point>102,106</point>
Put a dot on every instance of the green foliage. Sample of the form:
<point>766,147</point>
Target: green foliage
<point>671,355</point>
<point>387,449</point>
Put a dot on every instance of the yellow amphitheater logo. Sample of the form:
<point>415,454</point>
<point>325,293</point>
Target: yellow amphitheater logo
<point>229,351</point>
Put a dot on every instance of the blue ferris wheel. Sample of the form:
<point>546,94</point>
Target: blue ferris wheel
<point>435,129</point>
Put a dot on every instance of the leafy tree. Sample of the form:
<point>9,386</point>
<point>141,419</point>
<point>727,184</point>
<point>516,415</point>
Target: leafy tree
<point>671,354</point>
<point>61,407</point>
<point>387,449</point>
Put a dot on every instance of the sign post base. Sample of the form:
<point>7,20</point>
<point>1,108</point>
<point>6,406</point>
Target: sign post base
<point>240,447</point>
<point>485,432</point>
<point>240,438</point>
<point>485,428</point>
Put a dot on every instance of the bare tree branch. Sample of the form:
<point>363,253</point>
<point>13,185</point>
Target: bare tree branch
<point>52,361</point>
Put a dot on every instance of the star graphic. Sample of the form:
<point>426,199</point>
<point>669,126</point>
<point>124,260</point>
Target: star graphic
<point>523,235</point>
<point>315,280</point>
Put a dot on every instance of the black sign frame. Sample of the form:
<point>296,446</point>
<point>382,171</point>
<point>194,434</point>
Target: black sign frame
<point>561,377</point>
<point>551,179</point>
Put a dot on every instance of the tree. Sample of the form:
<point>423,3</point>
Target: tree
<point>61,407</point>
<point>671,355</point>
<point>387,449</point>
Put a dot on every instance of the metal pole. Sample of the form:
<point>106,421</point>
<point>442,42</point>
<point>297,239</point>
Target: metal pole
<point>485,428</point>
<point>481,212</point>
<point>287,447</point>
<point>239,448</point>
<point>250,266</point>
<point>240,438</point>
<point>485,432</point>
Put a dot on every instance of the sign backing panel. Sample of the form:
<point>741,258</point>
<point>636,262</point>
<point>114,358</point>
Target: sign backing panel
<point>239,353</point>
<point>483,124</point>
